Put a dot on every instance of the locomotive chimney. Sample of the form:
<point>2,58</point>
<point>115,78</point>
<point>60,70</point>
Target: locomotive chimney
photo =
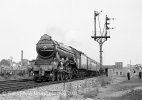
<point>21,57</point>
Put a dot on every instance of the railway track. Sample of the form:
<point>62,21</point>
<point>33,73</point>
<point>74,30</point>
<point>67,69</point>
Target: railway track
<point>14,85</point>
<point>18,85</point>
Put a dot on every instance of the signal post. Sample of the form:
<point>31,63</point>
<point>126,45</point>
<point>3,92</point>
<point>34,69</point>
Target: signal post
<point>102,36</point>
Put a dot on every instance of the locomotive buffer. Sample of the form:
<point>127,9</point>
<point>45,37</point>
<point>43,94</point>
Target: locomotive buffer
<point>103,36</point>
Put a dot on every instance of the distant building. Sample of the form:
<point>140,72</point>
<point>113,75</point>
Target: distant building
<point>32,63</point>
<point>116,69</point>
<point>25,62</point>
<point>15,66</point>
<point>121,72</point>
<point>109,69</point>
<point>119,65</point>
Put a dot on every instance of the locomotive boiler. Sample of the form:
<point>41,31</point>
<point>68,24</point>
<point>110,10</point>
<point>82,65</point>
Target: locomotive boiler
<point>56,61</point>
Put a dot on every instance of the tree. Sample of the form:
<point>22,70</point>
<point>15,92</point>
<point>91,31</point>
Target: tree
<point>4,62</point>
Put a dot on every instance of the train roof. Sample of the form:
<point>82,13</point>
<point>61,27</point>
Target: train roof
<point>76,49</point>
<point>70,48</point>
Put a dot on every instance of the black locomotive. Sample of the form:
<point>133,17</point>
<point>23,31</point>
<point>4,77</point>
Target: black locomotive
<point>56,61</point>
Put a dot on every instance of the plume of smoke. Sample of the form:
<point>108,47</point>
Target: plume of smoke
<point>69,38</point>
<point>56,33</point>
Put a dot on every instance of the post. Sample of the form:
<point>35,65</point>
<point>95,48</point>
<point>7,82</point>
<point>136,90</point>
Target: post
<point>101,61</point>
<point>101,38</point>
<point>95,14</point>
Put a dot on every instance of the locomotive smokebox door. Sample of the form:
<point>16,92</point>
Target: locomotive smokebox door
<point>45,47</point>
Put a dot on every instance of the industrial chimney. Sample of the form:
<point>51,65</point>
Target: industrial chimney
<point>21,57</point>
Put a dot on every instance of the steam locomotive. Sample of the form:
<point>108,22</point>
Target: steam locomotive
<point>56,61</point>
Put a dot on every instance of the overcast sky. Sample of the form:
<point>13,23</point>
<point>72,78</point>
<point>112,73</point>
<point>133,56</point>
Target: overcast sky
<point>23,22</point>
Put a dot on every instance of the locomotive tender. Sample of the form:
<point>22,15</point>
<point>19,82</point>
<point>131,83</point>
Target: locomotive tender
<point>56,61</point>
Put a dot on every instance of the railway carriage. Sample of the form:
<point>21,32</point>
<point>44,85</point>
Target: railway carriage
<point>56,61</point>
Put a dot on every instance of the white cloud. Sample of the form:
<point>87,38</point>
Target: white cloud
<point>23,22</point>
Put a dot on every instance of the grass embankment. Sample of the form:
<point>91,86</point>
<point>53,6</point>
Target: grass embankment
<point>88,90</point>
<point>101,81</point>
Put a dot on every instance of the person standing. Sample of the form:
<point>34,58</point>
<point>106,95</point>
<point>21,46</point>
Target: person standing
<point>140,74</point>
<point>128,74</point>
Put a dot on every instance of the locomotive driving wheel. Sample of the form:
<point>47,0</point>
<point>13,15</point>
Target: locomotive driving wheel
<point>66,76</point>
<point>58,76</point>
<point>69,72</point>
<point>61,76</point>
<point>70,75</point>
<point>52,75</point>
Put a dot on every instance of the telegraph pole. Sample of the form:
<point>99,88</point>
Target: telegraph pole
<point>102,37</point>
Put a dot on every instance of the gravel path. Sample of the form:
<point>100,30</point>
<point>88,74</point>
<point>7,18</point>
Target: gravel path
<point>121,89</point>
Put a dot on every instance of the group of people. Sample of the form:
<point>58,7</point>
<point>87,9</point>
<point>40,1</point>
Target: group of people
<point>66,63</point>
<point>129,74</point>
